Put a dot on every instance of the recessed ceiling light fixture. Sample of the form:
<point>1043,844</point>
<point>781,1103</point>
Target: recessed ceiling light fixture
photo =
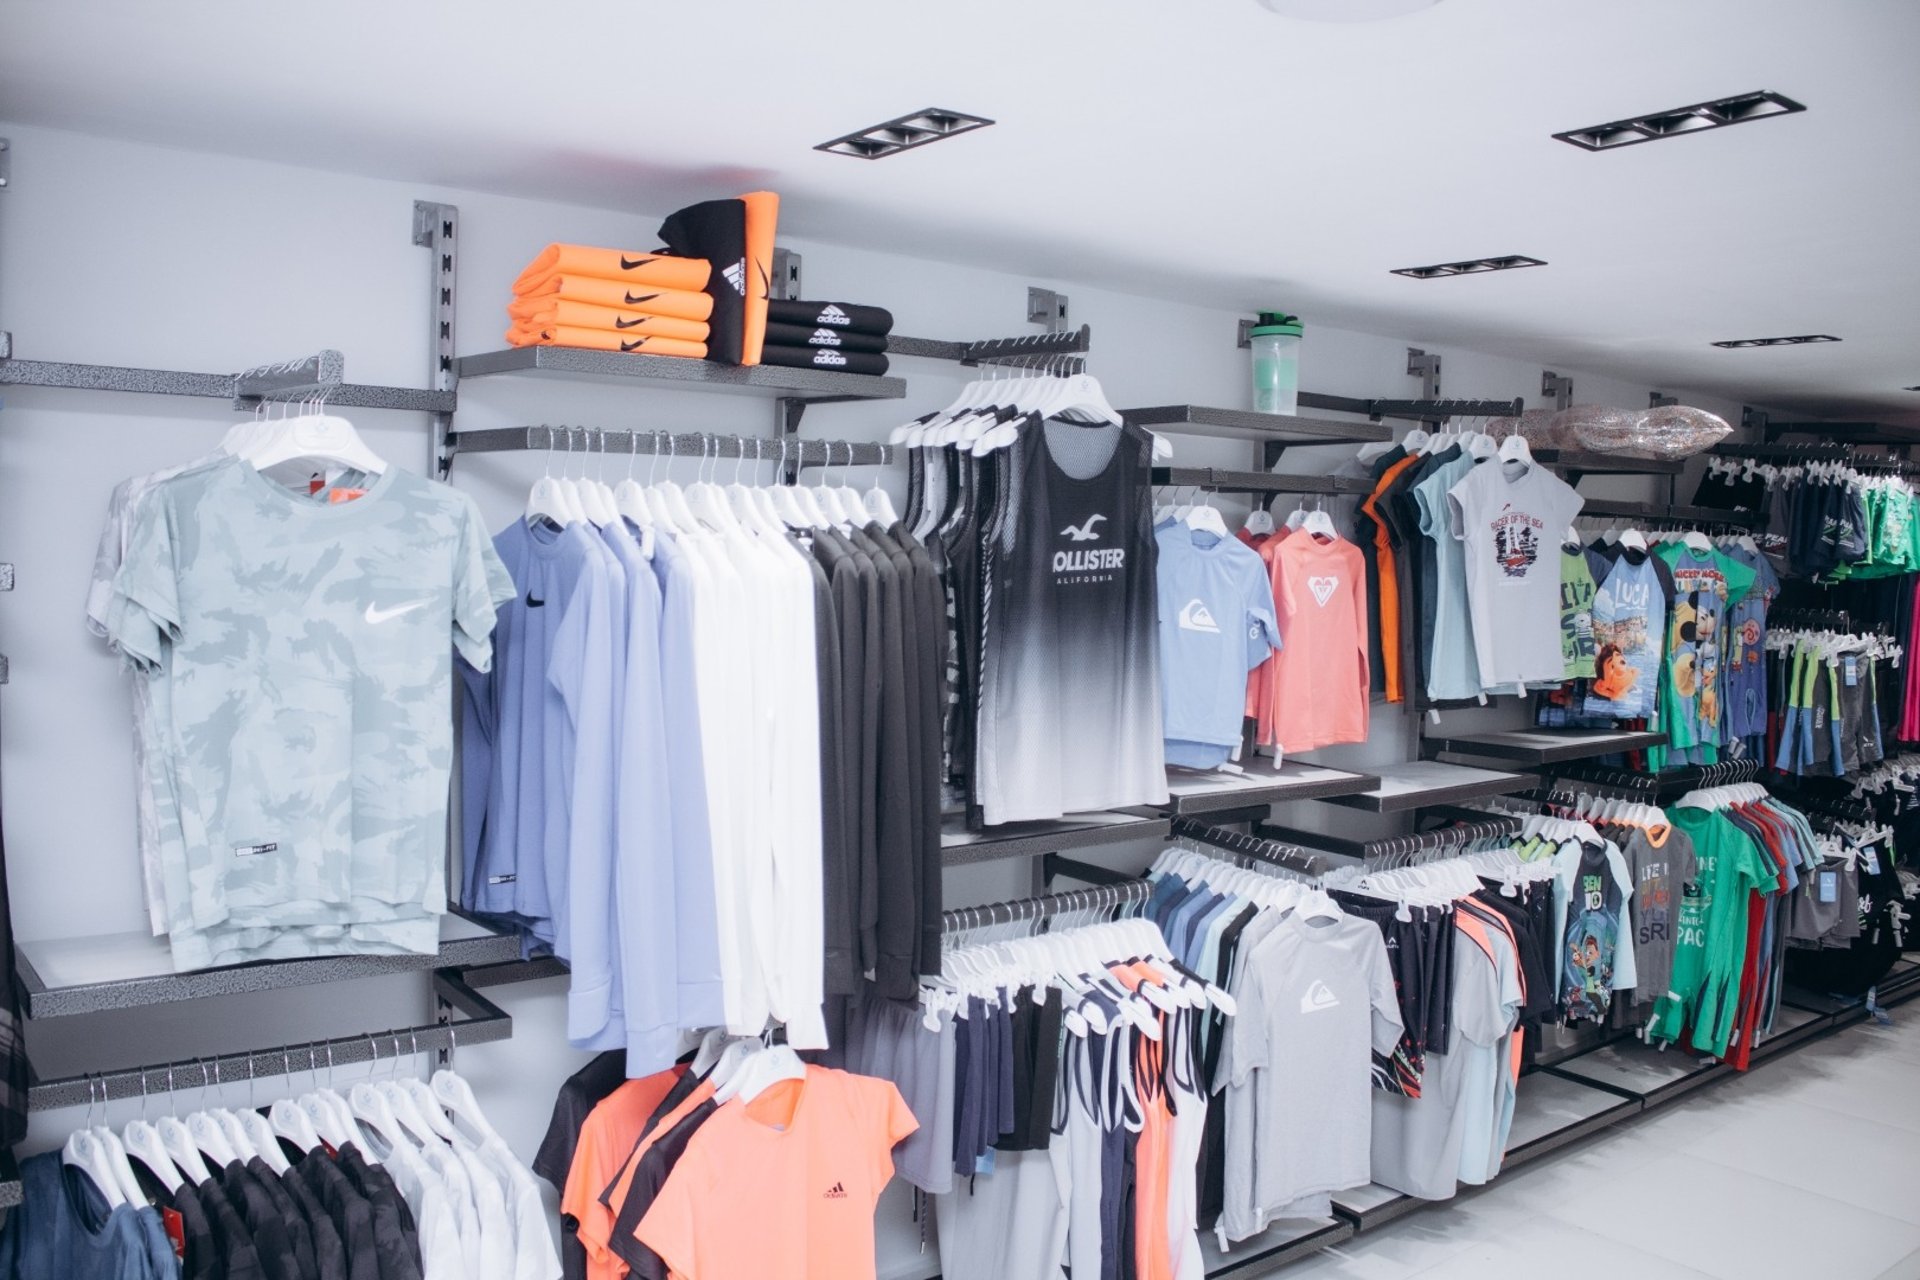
<point>1471,267</point>
<point>1794,340</point>
<point>904,133</point>
<point>1697,118</point>
<point>1910,388</point>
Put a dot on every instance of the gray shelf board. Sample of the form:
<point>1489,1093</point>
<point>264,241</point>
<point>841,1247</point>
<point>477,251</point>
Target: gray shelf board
<point>1262,784</point>
<point>1373,1206</point>
<point>959,846</point>
<point>1268,1252</point>
<point>1551,1111</point>
<point>354,395</point>
<point>208,386</point>
<point>1615,508</point>
<point>1245,424</point>
<point>1544,746</point>
<point>1820,1002</point>
<point>1601,464</point>
<point>698,375</point>
<point>1223,481</point>
<point>1429,782</point>
<point>62,977</point>
<point>1652,1075</point>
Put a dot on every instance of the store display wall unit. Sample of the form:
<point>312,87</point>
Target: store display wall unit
<point>209,283</point>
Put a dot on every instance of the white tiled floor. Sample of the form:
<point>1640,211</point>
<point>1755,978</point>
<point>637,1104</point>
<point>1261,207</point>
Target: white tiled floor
<point>1808,1166</point>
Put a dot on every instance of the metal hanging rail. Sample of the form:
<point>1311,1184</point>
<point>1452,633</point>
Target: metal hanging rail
<point>593,440</point>
<point>1290,856</point>
<point>994,350</point>
<point>316,375</point>
<point>485,1021</point>
<point>1415,410</point>
<point>1043,908</point>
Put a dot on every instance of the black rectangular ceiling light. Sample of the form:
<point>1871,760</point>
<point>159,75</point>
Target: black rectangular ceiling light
<point>1794,340</point>
<point>1697,118</point>
<point>1471,267</point>
<point>904,133</point>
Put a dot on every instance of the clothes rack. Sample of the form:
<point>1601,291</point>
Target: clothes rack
<point>319,375</point>
<point>1291,857</point>
<point>994,350</point>
<point>594,440</point>
<point>1101,897</point>
<point>1420,842</point>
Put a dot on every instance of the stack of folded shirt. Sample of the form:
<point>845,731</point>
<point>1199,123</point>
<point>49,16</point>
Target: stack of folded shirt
<point>827,335</point>
<point>610,300</point>
<point>736,236</point>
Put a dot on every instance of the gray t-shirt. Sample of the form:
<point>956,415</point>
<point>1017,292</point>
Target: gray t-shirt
<point>1315,1003</point>
<point>1661,874</point>
<point>1510,516</point>
<point>1452,669</point>
<point>301,658</point>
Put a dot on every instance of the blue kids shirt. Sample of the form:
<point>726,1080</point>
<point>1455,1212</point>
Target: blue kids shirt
<point>1216,624</point>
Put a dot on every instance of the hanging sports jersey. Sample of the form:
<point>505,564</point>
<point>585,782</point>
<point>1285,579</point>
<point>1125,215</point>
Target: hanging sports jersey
<point>1510,514</point>
<point>1070,683</point>
<point>1216,624</point>
<point>1629,619</point>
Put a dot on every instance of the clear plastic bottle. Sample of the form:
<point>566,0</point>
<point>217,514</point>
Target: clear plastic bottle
<point>1276,363</point>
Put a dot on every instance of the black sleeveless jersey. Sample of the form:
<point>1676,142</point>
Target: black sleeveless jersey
<point>1069,696</point>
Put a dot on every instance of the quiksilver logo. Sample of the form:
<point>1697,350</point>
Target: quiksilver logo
<point>1084,532</point>
<point>736,274</point>
<point>1319,996</point>
<point>1195,616</point>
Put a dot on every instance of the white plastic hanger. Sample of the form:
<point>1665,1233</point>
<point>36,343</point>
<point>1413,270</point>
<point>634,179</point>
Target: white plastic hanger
<point>180,1148</point>
<point>83,1151</point>
<point>629,499</point>
<point>323,436</point>
<point>260,1135</point>
<point>118,1165</point>
<point>456,1095</point>
<point>142,1141</point>
<point>761,1072</point>
<point>549,499</point>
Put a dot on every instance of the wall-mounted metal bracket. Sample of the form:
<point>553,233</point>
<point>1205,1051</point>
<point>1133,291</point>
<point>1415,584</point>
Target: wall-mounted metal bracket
<point>316,374</point>
<point>1755,420</point>
<point>1243,334</point>
<point>1556,388</point>
<point>786,275</point>
<point>1660,400</point>
<point>436,228</point>
<point>6,164</point>
<point>1046,307</point>
<point>1426,367</point>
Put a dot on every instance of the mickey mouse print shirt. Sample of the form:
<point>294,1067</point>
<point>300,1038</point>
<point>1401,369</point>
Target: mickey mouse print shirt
<point>1511,515</point>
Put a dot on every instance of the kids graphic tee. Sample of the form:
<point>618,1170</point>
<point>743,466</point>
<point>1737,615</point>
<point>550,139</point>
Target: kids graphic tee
<point>1510,514</point>
<point>1629,621</point>
<point>1706,585</point>
<point>1216,624</point>
<point>1744,699</point>
<point>1577,590</point>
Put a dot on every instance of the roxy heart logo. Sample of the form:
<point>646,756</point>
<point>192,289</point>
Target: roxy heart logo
<point>1323,589</point>
<point>1195,616</point>
<point>1085,532</point>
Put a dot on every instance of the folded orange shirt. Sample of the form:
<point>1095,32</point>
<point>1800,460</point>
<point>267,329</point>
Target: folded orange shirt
<point>763,210</point>
<point>605,340</point>
<point>686,304</point>
<point>584,315</point>
<point>656,269</point>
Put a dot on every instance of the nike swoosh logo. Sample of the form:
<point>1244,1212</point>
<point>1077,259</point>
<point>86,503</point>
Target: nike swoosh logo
<point>629,265</point>
<point>378,616</point>
<point>618,323</point>
<point>534,604</point>
<point>635,345</point>
<point>645,297</point>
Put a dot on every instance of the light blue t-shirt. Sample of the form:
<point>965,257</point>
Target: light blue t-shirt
<point>1216,624</point>
<point>1453,667</point>
<point>1629,638</point>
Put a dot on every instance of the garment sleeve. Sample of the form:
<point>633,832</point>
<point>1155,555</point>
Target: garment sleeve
<point>106,558</point>
<point>891,1122</point>
<point>1387,1025</point>
<point>1357,575</point>
<point>145,614</point>
<point>1740,579</point>
<point>1246,1043</point>
<point>1626,973</point>
<point>1263,630</point>
<point>480,583</point>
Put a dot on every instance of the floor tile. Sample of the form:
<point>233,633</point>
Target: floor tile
<point>1516,1247</point>
<point>1714,1221</point>
<point>1840,1156</point>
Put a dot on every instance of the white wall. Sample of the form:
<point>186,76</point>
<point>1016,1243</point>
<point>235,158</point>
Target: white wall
<point>113,253</point>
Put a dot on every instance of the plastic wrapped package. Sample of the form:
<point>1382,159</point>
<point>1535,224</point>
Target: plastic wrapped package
<point>1667,433</point>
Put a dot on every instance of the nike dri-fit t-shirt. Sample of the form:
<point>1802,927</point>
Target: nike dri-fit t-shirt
<point>783,1185</point>
<point>306,652</point>
<point>1216,624</point>
<point>1510,515</point>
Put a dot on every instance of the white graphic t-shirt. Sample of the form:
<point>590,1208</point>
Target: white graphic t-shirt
<point>1511,516</point>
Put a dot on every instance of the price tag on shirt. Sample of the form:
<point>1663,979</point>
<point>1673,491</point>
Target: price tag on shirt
<point>1829,886</point>
<point>1870,859</point>
<point>1850,670</point>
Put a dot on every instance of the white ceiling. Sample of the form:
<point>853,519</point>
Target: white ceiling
<point>1205,150</point>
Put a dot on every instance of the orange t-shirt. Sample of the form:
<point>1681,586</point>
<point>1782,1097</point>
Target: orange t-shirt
<point>784,1185</point>
<point>605,1139</point>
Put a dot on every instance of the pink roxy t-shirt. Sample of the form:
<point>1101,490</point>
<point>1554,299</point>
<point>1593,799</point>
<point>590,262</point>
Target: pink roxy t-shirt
<point>1313,692</point>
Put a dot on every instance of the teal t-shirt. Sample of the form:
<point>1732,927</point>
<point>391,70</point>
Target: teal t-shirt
<point>1706,586</point>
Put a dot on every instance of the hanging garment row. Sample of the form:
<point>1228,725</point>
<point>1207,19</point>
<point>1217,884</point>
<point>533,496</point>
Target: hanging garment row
<point>1828,687</point>
<point>289,605</point>
<point>1831,519</point>
<point>705,769</point>
<point>400,1179</point>
<point>1033,499</point>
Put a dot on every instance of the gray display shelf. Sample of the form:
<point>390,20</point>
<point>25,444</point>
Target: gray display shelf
<point>1373,1206</point>
<point>1542,746</point>
<point>1634,1069</point>
<point>698,375</point>
<point>1244,424</point>
<point>959,846</point>
<point>1268,1252</point>
<point>1587,463</point>
<point>61,977</point>
<point>1551,1111</point>
<point>1261,784</point>
<point>1222,481</point>
<point>211,386</point>
<point>1429,782</point>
